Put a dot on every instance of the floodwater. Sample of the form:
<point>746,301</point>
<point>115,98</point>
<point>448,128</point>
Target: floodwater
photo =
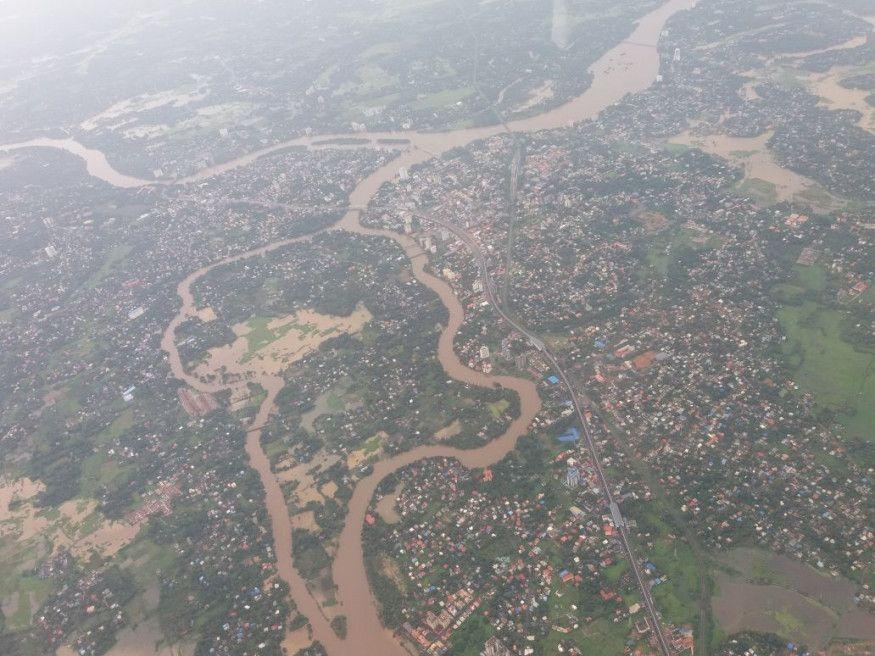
<point>630,67</point>
<point>835,96</point>
<point>853,42</point>
<point>753,156</point>
<point>385,507</point>
<point>776,593</point>
<point>26,522</point>
<point>304,332</point>
<point>95,161</point>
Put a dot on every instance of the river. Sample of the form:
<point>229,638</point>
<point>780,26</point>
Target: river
<point>629,67</point>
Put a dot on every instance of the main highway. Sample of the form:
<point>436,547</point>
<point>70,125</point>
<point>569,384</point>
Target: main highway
<point>588,442</point>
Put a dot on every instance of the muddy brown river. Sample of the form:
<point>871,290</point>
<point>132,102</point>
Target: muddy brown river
<point>630,67</point>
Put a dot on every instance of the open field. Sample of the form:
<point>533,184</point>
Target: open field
<point>443,98</point>
<point>838,375</point>
<point>771,593</point>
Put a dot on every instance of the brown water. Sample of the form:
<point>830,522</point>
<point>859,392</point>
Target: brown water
<point>829,88</point>
<point>753,156</point>
<point>628,68</point>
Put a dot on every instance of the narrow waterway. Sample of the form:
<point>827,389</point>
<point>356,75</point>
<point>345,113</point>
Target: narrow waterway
<point>630,67</point>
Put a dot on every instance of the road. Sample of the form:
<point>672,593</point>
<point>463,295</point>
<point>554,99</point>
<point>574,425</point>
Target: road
<point>590,446</point>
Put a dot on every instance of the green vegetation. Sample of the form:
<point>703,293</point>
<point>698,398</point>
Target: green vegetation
<point>657,260</point>
<point>29,593</point>
<point>274,449</point>
<point>469,638</point>
<point>614,572</point>
<point>372,445</point>
<point>120,425</point>
<point>260,335</point>
<point>373,78</point>
<point>335,403</point>
<point>381,49</point>
<point>97,472</point>
<point>603,638</point>
<point>817,196</point>
<point>115,256</point>
<point>675,147</point>
<point>338,625</point>
<point>148,559</point>
<point>762,191</point>
<point>443,98</point>
<point>499,407</point>
<point>676,597</point>
<point>309,552</point>
<point>840,374</point>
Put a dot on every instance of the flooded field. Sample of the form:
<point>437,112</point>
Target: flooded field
<point>835,96</point>
<point>769,181</point>
<point>778,594</point>
<point>536,96</point>
<point>304,475</point>
<point>122,112</point>
<point>76,525</point>
<point>265,347</point>
<point>385,507</point>
<point>330,402</point>
<point>853,42</point>
<point>629,67</point>
<point>450,430</point>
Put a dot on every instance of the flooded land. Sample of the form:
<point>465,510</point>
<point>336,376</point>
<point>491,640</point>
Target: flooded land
<point>629,67</point>
<point>264,347</point>
<point>764,178</point>
<point>774,593</point>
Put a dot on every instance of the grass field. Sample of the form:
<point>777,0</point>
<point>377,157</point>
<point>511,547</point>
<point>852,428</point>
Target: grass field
<point>498,408</point>
<point>839,376</point>
<point>21,591</point>
<point>678,596</point>
<point>443,98</point>
<point>335,403</point>
<point>372,444</point>
<point>762,191</point>
<point>601,638</point>
<point>113,258</point>
<point>468,639</point>
<point>373,78</point>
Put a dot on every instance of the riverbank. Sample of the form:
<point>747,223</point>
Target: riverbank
<point>628,68</point>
